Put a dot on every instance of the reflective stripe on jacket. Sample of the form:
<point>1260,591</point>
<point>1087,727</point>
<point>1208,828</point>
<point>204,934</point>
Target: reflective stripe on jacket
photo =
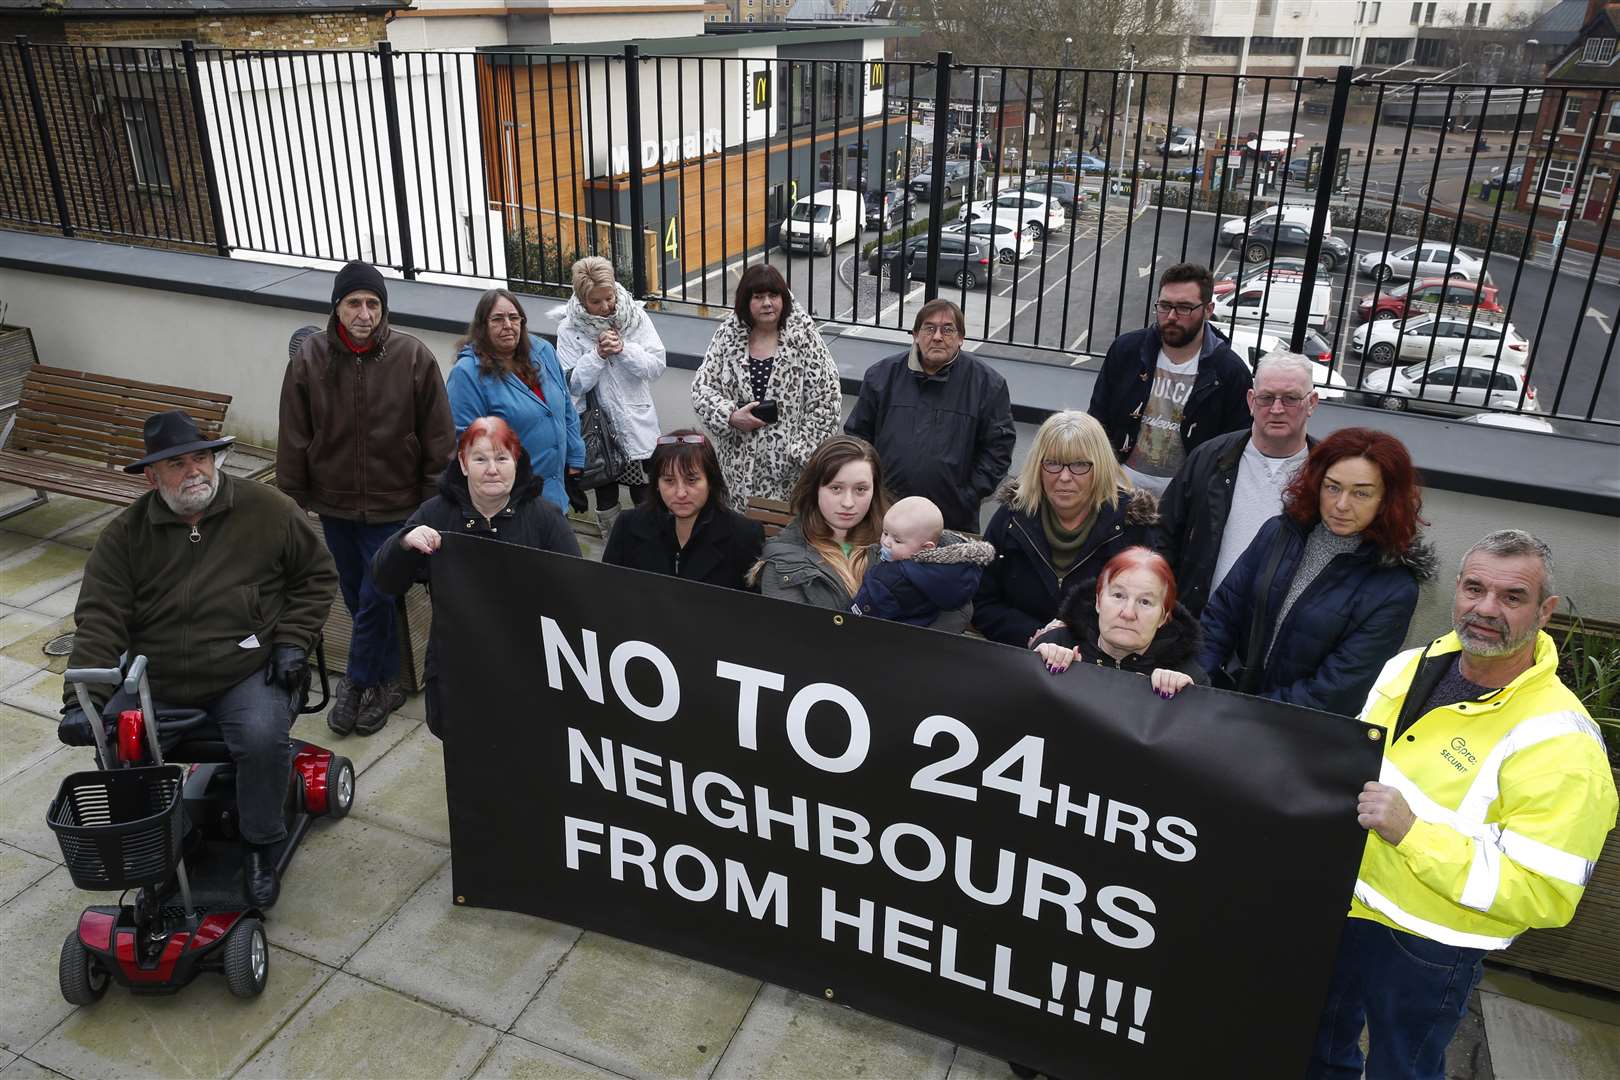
<point>1513,795</point>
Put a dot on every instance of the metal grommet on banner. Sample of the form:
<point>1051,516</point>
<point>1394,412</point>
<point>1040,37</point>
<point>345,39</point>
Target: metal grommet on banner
<point>827,993</point>
<point>461,899</point>
<point>1372,734</point>
<point>838,620</point>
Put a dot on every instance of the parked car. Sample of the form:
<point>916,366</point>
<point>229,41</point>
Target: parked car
<point>1499,181</point>
<point>820,222</point>
<point>957,173</point>
<point>1457,386</point>
<point>1299,172</point>
<point>1516,421</point>
<point>1005,232</point>
<point>1289,238</point>
<point>1270,300</point>
<point>1064,191</point>
<point>1182,142</point>
<point>1426,260</point>
<point>1039,213</point>
<point>964,261</point>
<point>1426,294</point>
<point>1395,340</point>
<point>888,209</point>
<point>1278,267</point>
<point>1091,163</point>
<point>1298,215</point>
<point>1251,341</point>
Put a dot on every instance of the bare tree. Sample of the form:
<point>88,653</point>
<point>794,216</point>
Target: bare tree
<point>1032,32</point>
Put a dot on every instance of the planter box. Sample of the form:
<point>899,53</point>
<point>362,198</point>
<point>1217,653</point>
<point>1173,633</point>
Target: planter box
<point>1588,949</point>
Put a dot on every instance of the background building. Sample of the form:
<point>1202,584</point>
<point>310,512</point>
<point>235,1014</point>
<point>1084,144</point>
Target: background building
<point>1580,112</point>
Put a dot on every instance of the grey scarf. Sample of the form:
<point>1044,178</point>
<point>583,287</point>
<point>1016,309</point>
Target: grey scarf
<point>626,317</point>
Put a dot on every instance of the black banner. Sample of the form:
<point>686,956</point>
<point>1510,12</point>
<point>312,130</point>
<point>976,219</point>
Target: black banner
<point>1065,871</point>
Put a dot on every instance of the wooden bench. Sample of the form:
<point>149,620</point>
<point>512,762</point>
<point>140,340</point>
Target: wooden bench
<point>74,431</point>
<point>773,514</point>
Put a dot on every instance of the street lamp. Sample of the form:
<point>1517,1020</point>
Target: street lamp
<point>1130,79</point>
<point>1068,41</point>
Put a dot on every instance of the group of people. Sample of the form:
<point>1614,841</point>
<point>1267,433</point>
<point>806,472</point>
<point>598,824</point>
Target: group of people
<point>1186,527</point>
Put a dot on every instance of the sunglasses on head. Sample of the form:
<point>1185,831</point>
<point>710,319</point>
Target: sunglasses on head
<point>689,440</point>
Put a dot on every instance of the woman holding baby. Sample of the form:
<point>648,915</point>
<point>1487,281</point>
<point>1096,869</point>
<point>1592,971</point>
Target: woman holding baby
<point>820,557</point>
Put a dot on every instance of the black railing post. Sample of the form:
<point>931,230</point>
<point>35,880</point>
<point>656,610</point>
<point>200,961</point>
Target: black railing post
<point>396,158</point>
<point>205,146</point>
<point>936,212</point>
<point>1324,193</point>
<point>632,134</point>
<point>25,52</point>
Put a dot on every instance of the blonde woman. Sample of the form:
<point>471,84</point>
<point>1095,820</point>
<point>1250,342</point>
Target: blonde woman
<point>606,343</point>
<point>1068,512</point>
<point>838,505</point>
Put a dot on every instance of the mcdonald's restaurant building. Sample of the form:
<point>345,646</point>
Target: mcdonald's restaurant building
<point>732,127</point>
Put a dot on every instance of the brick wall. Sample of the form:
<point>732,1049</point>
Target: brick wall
<point>315,30</point>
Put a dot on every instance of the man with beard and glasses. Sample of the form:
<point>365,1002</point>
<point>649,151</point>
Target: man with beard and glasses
<point>1164,390</point>
<point>1492,804</point>
<point>224,587</point>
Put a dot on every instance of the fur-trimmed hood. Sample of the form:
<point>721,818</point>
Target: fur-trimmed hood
<point>1141,508</point>
<point>453,486</point>
<point>1420,557</point>
<point>1174,646</point>
<point>939,579</point>
<point>955,548</point>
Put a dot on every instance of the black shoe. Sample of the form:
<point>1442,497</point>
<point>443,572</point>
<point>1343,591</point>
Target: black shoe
<point>377,703</point>
<point>259,877</point>
<point>345,707</point>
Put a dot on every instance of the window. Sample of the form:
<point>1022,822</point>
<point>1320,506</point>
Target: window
<point>1264,9</point>
<point>1613,126</point>
<point>1377,9</point>
<point>1572,114</point>
<point>1330,46</point>
<point>1387,50</point>
<point>1484,13</point>
<point>1598,51</point>
<point>1417,14</point>
<point>1557,176</point>
<point>1274,46</point>
<point>145,142</point>
<point>1218,46</point>
<point>1441,377</point>
<point>1428,15</point>
<point>1435,52</point>
<point>1468,16</point>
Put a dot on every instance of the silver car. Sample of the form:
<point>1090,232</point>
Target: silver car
<point>1422,260</point>
<point>1456,387</point>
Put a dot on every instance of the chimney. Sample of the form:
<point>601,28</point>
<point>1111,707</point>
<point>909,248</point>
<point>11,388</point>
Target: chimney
<point>1592,7</point>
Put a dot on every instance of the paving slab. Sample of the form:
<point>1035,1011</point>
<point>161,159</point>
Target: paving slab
<point>1529,1042</point>
<point>20,623</point>
<point>60,514</point>
<point>85,534</point>
<point>126,1035</point>
<point>347,879</point>
<point>28,738</point>
<point>59,603</point>
<point>23,1069</point>
<point>25,797</point>
<point>32,928</point>
<point>972,1065</point>
<point>20,869</point>
<point>6,1058</point>
<point>636,1010</point>
<point>363,750</point>
<point>354,1029</point>
<point>35,572</point>
<point>29,648</point>
<point>518,1059</point>
<point>790,1034</point>
<point>405,789</point>
<point>486,965</point>
<point>13,672</point>
<point>39,692</point>
<point>12,542</point>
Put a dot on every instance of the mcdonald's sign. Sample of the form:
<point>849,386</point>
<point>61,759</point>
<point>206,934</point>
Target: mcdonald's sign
<point>878,75</point>
<point>759,94</point>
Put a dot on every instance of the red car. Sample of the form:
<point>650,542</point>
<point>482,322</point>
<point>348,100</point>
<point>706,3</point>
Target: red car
<point>1426,294</point>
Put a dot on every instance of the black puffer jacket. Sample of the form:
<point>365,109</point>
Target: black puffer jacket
<point>1175,646</point>
<point>1219,401</point>
<point>723,546</point>
<point>1020,592</point>
<point>528,521</point>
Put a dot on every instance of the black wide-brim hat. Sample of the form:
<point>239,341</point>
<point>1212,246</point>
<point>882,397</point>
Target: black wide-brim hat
<point>170,434</point>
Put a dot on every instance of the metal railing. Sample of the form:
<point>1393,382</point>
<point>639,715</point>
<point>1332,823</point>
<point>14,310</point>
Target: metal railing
<point>506,166</point>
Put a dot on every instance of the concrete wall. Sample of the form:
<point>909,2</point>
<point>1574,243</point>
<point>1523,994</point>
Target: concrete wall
<point>240,349</point>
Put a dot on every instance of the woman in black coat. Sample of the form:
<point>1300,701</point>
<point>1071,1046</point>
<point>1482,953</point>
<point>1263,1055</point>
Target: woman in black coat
<point>1068,513</point>
<point>487,490</point>
<point>1324,594</point>
<point>1128,619</point>
<point>685,526</point>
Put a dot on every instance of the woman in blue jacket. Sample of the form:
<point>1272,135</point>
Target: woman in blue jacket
<point>1324,594</point>
<point>503,370</point>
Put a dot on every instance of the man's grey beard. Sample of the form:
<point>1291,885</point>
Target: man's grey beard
<point>184,505</point>
<point>1503,646</point>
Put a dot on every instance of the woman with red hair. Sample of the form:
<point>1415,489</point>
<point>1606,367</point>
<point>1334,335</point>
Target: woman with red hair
<point>488,490</point>
<point>1128,619</point>
<point>1324,594</point>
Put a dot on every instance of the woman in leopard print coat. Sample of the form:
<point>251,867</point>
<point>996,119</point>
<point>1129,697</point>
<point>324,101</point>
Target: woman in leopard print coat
<point>768,349</point>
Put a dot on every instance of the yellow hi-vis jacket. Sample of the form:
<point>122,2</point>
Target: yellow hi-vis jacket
<point>1513,797</point>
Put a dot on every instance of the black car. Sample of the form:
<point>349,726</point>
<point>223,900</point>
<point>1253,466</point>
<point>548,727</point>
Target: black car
<point>964,261</point>
<point>1290,239</point>
<point>886,209</point>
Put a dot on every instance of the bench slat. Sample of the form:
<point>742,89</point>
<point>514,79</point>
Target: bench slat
<point>73,375</point>
<point>117,399</point>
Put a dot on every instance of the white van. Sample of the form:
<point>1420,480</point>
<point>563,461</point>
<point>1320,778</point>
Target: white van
<point>1251,341</point>
<point>1273,300</point>
<point>820,222</point>
<point>1291,215</point>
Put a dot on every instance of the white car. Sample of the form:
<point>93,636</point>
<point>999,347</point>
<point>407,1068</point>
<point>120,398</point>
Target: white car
<point>1252,342</point>
<point>1183,143</point>
<point>1422,260</point>
<point>1388,341</point>
<point>1005,232</point>
<point>1513,421</point>
<point>1040,213</point>
<point>1293,215</point>
<point>1458,386</point>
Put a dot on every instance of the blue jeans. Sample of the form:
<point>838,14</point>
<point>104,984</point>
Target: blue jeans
<point>254,718</point>
<point>1411,992</point>
<point>374,645</point>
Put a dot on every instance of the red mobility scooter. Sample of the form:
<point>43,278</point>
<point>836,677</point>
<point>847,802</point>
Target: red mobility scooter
<point>165,826</point>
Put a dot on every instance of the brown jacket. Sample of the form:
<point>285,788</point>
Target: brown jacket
<point>363,437</point>
<point>204,612</point>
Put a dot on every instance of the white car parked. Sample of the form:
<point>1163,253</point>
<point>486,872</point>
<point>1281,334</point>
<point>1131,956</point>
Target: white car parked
<point>1183,143</point>
<point>1293,215</point>
<point>1005,232</point>
<point>1040,213</point>
<point>1389,341</point>
<point>1458,386</point>
<point>1425,260</point>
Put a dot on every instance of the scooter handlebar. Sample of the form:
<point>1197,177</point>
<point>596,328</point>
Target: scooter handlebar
<point>94,676</point>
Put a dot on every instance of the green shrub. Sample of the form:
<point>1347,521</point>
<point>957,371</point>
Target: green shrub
<point>533,263</point>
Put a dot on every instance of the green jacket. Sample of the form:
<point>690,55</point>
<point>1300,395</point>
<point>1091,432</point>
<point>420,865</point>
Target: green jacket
<point>204,613</point>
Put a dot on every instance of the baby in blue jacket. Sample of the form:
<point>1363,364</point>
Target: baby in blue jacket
<point>921,574</point>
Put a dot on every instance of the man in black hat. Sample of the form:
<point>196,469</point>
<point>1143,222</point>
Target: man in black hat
<point>365,433</point>
<point>223,585</point>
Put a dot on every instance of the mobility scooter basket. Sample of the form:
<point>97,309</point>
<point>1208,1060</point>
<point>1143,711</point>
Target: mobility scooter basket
<point>120,829</point>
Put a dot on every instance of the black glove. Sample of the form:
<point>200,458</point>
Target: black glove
<point>289,669</point>
<point>576,494</point>
<point>74,728</point>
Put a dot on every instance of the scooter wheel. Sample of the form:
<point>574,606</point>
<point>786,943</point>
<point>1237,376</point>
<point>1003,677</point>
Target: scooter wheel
<point>247,958</point>
<point>82,980</point>
<point>339,786</point>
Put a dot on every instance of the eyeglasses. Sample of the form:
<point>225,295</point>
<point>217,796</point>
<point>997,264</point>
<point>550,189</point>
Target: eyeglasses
<point>939,330</point>
<point>504,320</point>
<point>1076,468</point>
<point>671,440</point>
<point>1165,307</point>
<point>1288,401</point>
